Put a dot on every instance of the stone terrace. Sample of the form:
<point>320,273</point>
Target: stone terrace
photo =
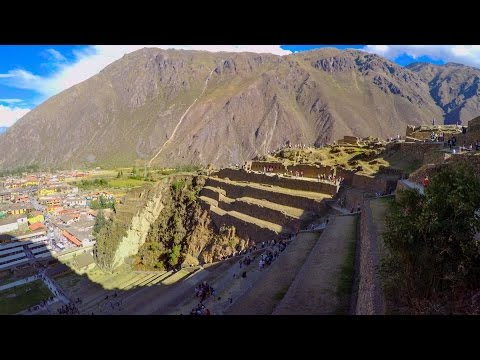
<point>259,209</point>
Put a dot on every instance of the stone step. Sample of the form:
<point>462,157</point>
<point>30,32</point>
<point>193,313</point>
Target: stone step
<point>160,278</point>
<point>138,283</point>
<point>133,281</point>
<point>175,277</point>
<point>120,281</point>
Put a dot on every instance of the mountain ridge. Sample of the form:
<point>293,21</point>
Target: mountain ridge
<point>154,99</point>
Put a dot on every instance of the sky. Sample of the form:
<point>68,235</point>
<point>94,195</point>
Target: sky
<point>30,74</point>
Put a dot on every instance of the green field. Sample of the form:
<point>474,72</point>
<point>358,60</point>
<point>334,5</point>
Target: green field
<point>22,297</point>
<point>125,183</point>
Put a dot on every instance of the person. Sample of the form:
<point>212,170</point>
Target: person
<point>426,181</point>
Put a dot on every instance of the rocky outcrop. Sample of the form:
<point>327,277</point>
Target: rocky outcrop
<point>139,228</point>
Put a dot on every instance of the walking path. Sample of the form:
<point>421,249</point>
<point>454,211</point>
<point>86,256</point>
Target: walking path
<point>314,290</point>
<point>18,282</point>
<point>180,121</point>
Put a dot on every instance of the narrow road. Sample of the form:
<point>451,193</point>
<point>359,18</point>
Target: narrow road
<point>180,121</point>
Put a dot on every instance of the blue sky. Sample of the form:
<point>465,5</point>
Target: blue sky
<point>30,74</point>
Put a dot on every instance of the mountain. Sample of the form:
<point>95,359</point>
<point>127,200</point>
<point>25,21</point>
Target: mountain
<point>3,129</point>
<point>454,88</point>
<point>177,107</point>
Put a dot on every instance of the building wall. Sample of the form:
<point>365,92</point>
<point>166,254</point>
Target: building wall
<point>8,227</point>
<point>36,219</point>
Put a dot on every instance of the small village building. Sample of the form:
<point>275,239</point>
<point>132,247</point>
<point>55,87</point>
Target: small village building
<point>73,239</point>
<point>13,223</point>
<point>35,217</point>
<point>37,226</point>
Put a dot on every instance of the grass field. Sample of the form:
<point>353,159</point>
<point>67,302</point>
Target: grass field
<point>125,183</point>
<point>22,297</point>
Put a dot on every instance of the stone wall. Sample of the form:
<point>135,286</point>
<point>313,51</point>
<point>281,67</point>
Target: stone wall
<point>277,167</point>
<point>370,299</point>
<point>312,171</point>
<point>435,157</point>
<point>347,175</point>
<point>353,197</point>
<point>211,193</point>
<point>243,229</point>
<point>414,151</point>
<point>289,183</point>
<point>291,224</point>
<point>236,191</point>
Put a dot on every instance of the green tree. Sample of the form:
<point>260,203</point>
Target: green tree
<point>174,255</point>
<point>100,222</point>
<point>430,237</point>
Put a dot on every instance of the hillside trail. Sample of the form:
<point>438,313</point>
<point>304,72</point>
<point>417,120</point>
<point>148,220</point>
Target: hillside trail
<point>181,120</point>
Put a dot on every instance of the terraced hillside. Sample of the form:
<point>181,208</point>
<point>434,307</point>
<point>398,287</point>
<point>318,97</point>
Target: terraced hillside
<point>258,211</point>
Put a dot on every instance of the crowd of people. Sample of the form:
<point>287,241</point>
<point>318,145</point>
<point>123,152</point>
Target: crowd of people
<point>203,291</point>
<point>333,179</point>
<point>200,309</point>
<point>68,309</point>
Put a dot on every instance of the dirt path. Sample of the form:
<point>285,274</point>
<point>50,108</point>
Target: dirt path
<point>180,121</point>
<point>313,292</point>
<point>272,286</point>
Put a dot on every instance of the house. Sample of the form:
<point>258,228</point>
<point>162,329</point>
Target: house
<point>22,199</point>
<point>72,238</point>
<point>36,226</point>
<point>54,209</point>
<point>5,196</point>
<point>75,202</point>
<point>31,182</point>
<point>69,219</point>
<point>52,201</point>
<point>17,209</point>
<point>12,223</point>
<point>35,217</point>
<point>46,191</point>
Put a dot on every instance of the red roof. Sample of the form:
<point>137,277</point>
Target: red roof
<point>71,238</point>
<point>36,226</point>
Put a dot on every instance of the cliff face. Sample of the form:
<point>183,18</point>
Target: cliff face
<point>175,107</point>
<point>163,226</point>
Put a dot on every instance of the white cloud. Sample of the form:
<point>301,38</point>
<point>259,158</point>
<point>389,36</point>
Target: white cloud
<point>8,115</point>
<point>11,101</point>
<point>89,61</point>
<point>462,54</point>
<point>55,55</point>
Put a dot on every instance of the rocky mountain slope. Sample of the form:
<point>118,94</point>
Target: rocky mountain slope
<point>454,87</point>
<point>177,107</point>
